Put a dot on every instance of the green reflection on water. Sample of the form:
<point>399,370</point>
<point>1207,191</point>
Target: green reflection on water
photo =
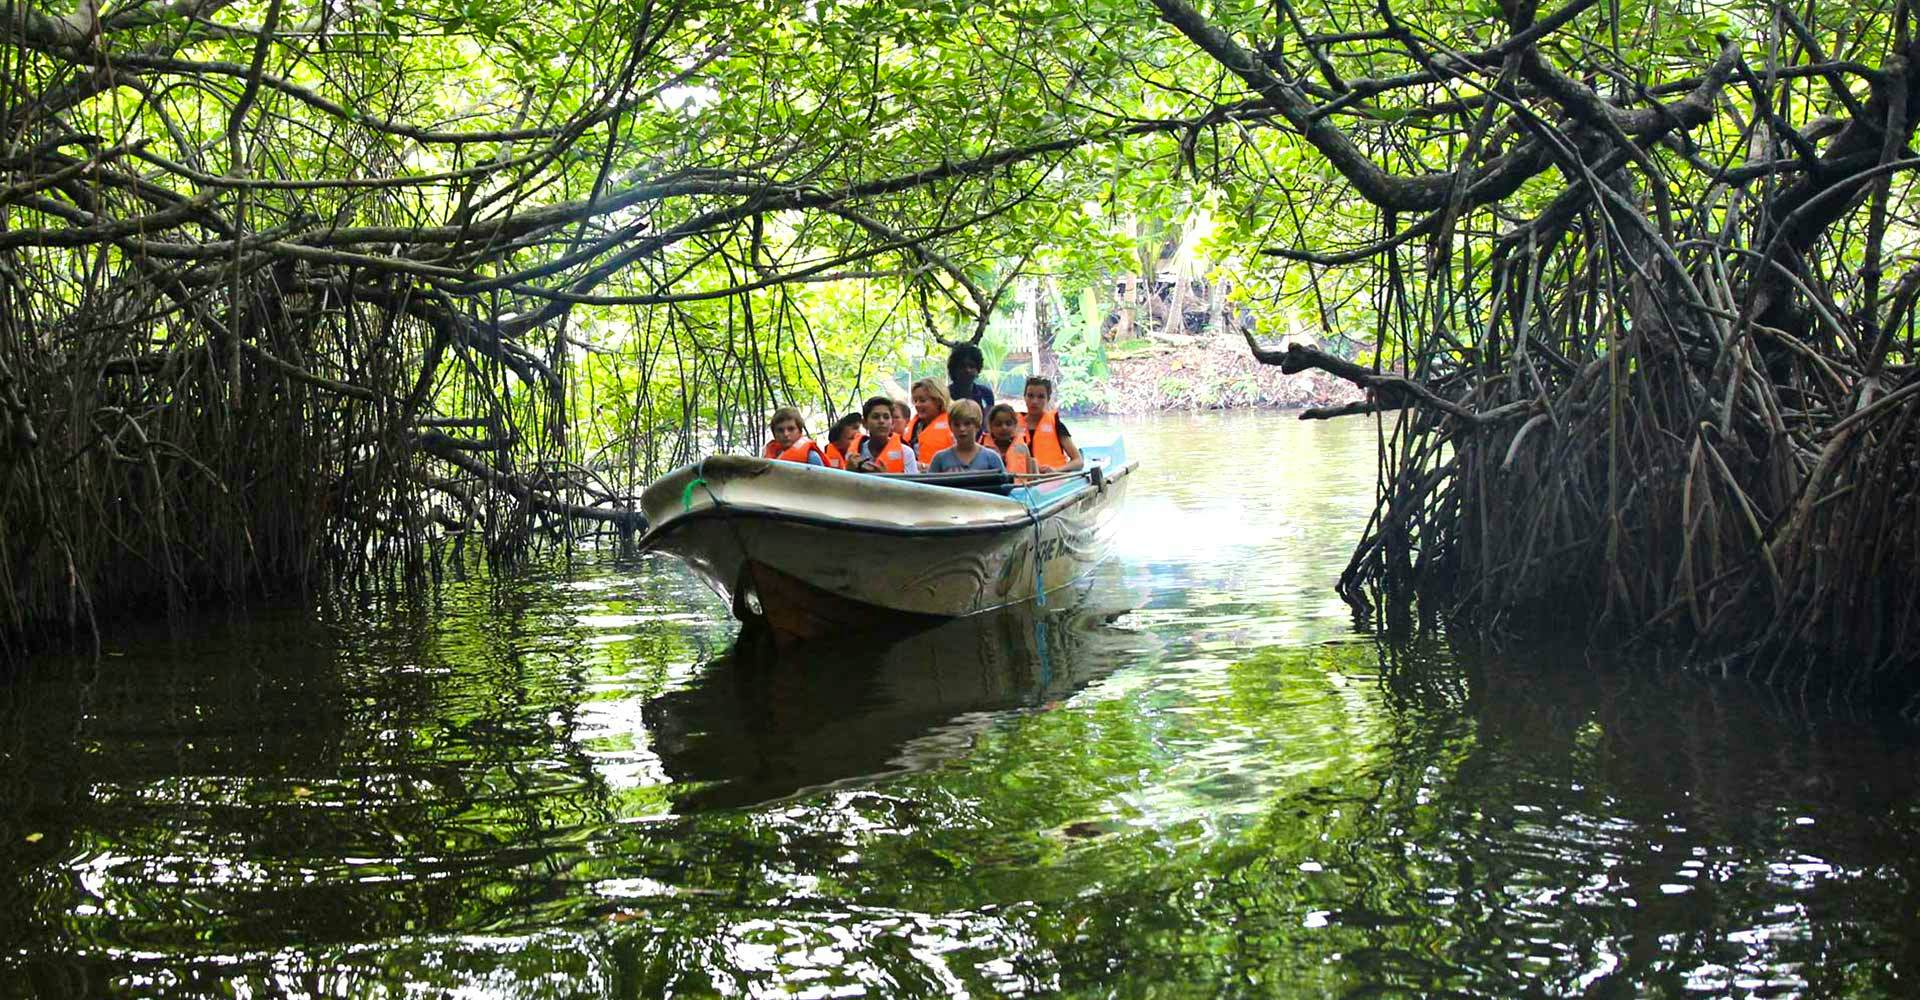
<point>1192,780</point>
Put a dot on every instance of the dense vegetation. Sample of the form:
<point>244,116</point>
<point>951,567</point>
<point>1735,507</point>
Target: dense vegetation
<point>292,290</point>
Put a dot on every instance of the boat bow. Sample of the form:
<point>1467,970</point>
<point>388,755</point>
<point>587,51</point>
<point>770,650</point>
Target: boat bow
<point>815,551</point>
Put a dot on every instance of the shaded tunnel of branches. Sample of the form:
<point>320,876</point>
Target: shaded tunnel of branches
<point>1643,291</point>
<point>270,316</point>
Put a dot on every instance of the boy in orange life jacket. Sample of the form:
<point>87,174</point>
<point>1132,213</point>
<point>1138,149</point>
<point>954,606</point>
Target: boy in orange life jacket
<point>929,433</point>
<point>1003,433</point>
<point>790,435</point>
<point>773,447</point>
<point>882,451</point>
<point>1047,438</point>
<point>843,440</point>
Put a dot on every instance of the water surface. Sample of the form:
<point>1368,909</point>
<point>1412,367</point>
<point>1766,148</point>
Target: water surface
<point>1193,777</point>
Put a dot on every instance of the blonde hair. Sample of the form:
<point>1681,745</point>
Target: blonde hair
<point>964,409</point>
<point>936,390</point>
<point>784,414</point>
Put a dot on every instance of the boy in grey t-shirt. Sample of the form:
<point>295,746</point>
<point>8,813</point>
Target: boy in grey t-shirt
<point>966,455</point>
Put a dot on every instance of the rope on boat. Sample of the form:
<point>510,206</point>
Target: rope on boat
<point>699,479</point>
<point>1039,574</point>
<point>1093,475</point>
<point>1033,514</point>
<point>686,495</point>
<point>743,599</point>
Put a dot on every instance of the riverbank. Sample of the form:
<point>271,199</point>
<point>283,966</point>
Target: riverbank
<point>1213,373</point>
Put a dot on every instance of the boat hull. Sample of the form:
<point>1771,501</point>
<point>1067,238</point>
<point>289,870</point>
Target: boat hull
<point>886,555</point>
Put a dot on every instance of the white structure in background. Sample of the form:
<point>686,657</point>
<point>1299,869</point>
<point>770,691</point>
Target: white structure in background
<point>1023,342</point>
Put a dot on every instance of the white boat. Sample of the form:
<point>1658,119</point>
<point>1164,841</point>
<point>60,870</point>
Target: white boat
<point>814,552</point>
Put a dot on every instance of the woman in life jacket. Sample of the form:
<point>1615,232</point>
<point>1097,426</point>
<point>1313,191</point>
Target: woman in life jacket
<point>928,433</point>
<point>882,451</point>
<point>1003,433</point>
<point>790,434</point>
<point>1047,439</point>
<point>844,440</point>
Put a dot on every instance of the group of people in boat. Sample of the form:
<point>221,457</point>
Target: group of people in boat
<point>958,427</point>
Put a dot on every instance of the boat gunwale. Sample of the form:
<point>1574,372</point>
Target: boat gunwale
<point>907,485</point>
<point>1026,516</point>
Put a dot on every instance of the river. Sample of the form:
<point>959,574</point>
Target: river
<point>1192,776</point>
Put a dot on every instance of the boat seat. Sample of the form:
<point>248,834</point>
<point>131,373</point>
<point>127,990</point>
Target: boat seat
<point>1000,483</point>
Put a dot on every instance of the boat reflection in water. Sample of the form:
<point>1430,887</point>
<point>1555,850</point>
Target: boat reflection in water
<point>768,719</point>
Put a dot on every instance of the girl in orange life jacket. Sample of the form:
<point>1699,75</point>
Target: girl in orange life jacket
<point>882,451</point>
<point>1003,432</point>
<point>929,433</point>
<point>790,433</point>
<point>1047,438</point>
<point>843,441</point>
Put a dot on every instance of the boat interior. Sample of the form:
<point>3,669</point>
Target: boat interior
<point>1098,458</point>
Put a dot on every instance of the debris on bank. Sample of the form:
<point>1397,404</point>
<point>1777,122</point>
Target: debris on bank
<point>1212,373</point>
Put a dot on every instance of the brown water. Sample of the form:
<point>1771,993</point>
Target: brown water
<point>1194,778</point>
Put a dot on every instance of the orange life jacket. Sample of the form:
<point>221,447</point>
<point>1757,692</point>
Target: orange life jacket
<point>837,459</point>
<point>800,450</point>
<point>930,440</point>
<point>1016,464</point>
<point>1043,441</point>
<point>892,456</point>
<point>772,450</point>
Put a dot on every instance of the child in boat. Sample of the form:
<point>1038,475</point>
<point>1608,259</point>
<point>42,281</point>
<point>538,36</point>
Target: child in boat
<point>844,440</point>
<point>1047,439</point>
<point>967,454</point>
<point>1003,433</point>
<point>902,416</point>
<point>790,441</point>
<point>928,433</point>
<point>882,451</point>
<point>963,368</point>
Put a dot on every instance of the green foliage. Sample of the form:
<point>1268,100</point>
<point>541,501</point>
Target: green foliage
<point>585,241</point>
<point>1079,350</point>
